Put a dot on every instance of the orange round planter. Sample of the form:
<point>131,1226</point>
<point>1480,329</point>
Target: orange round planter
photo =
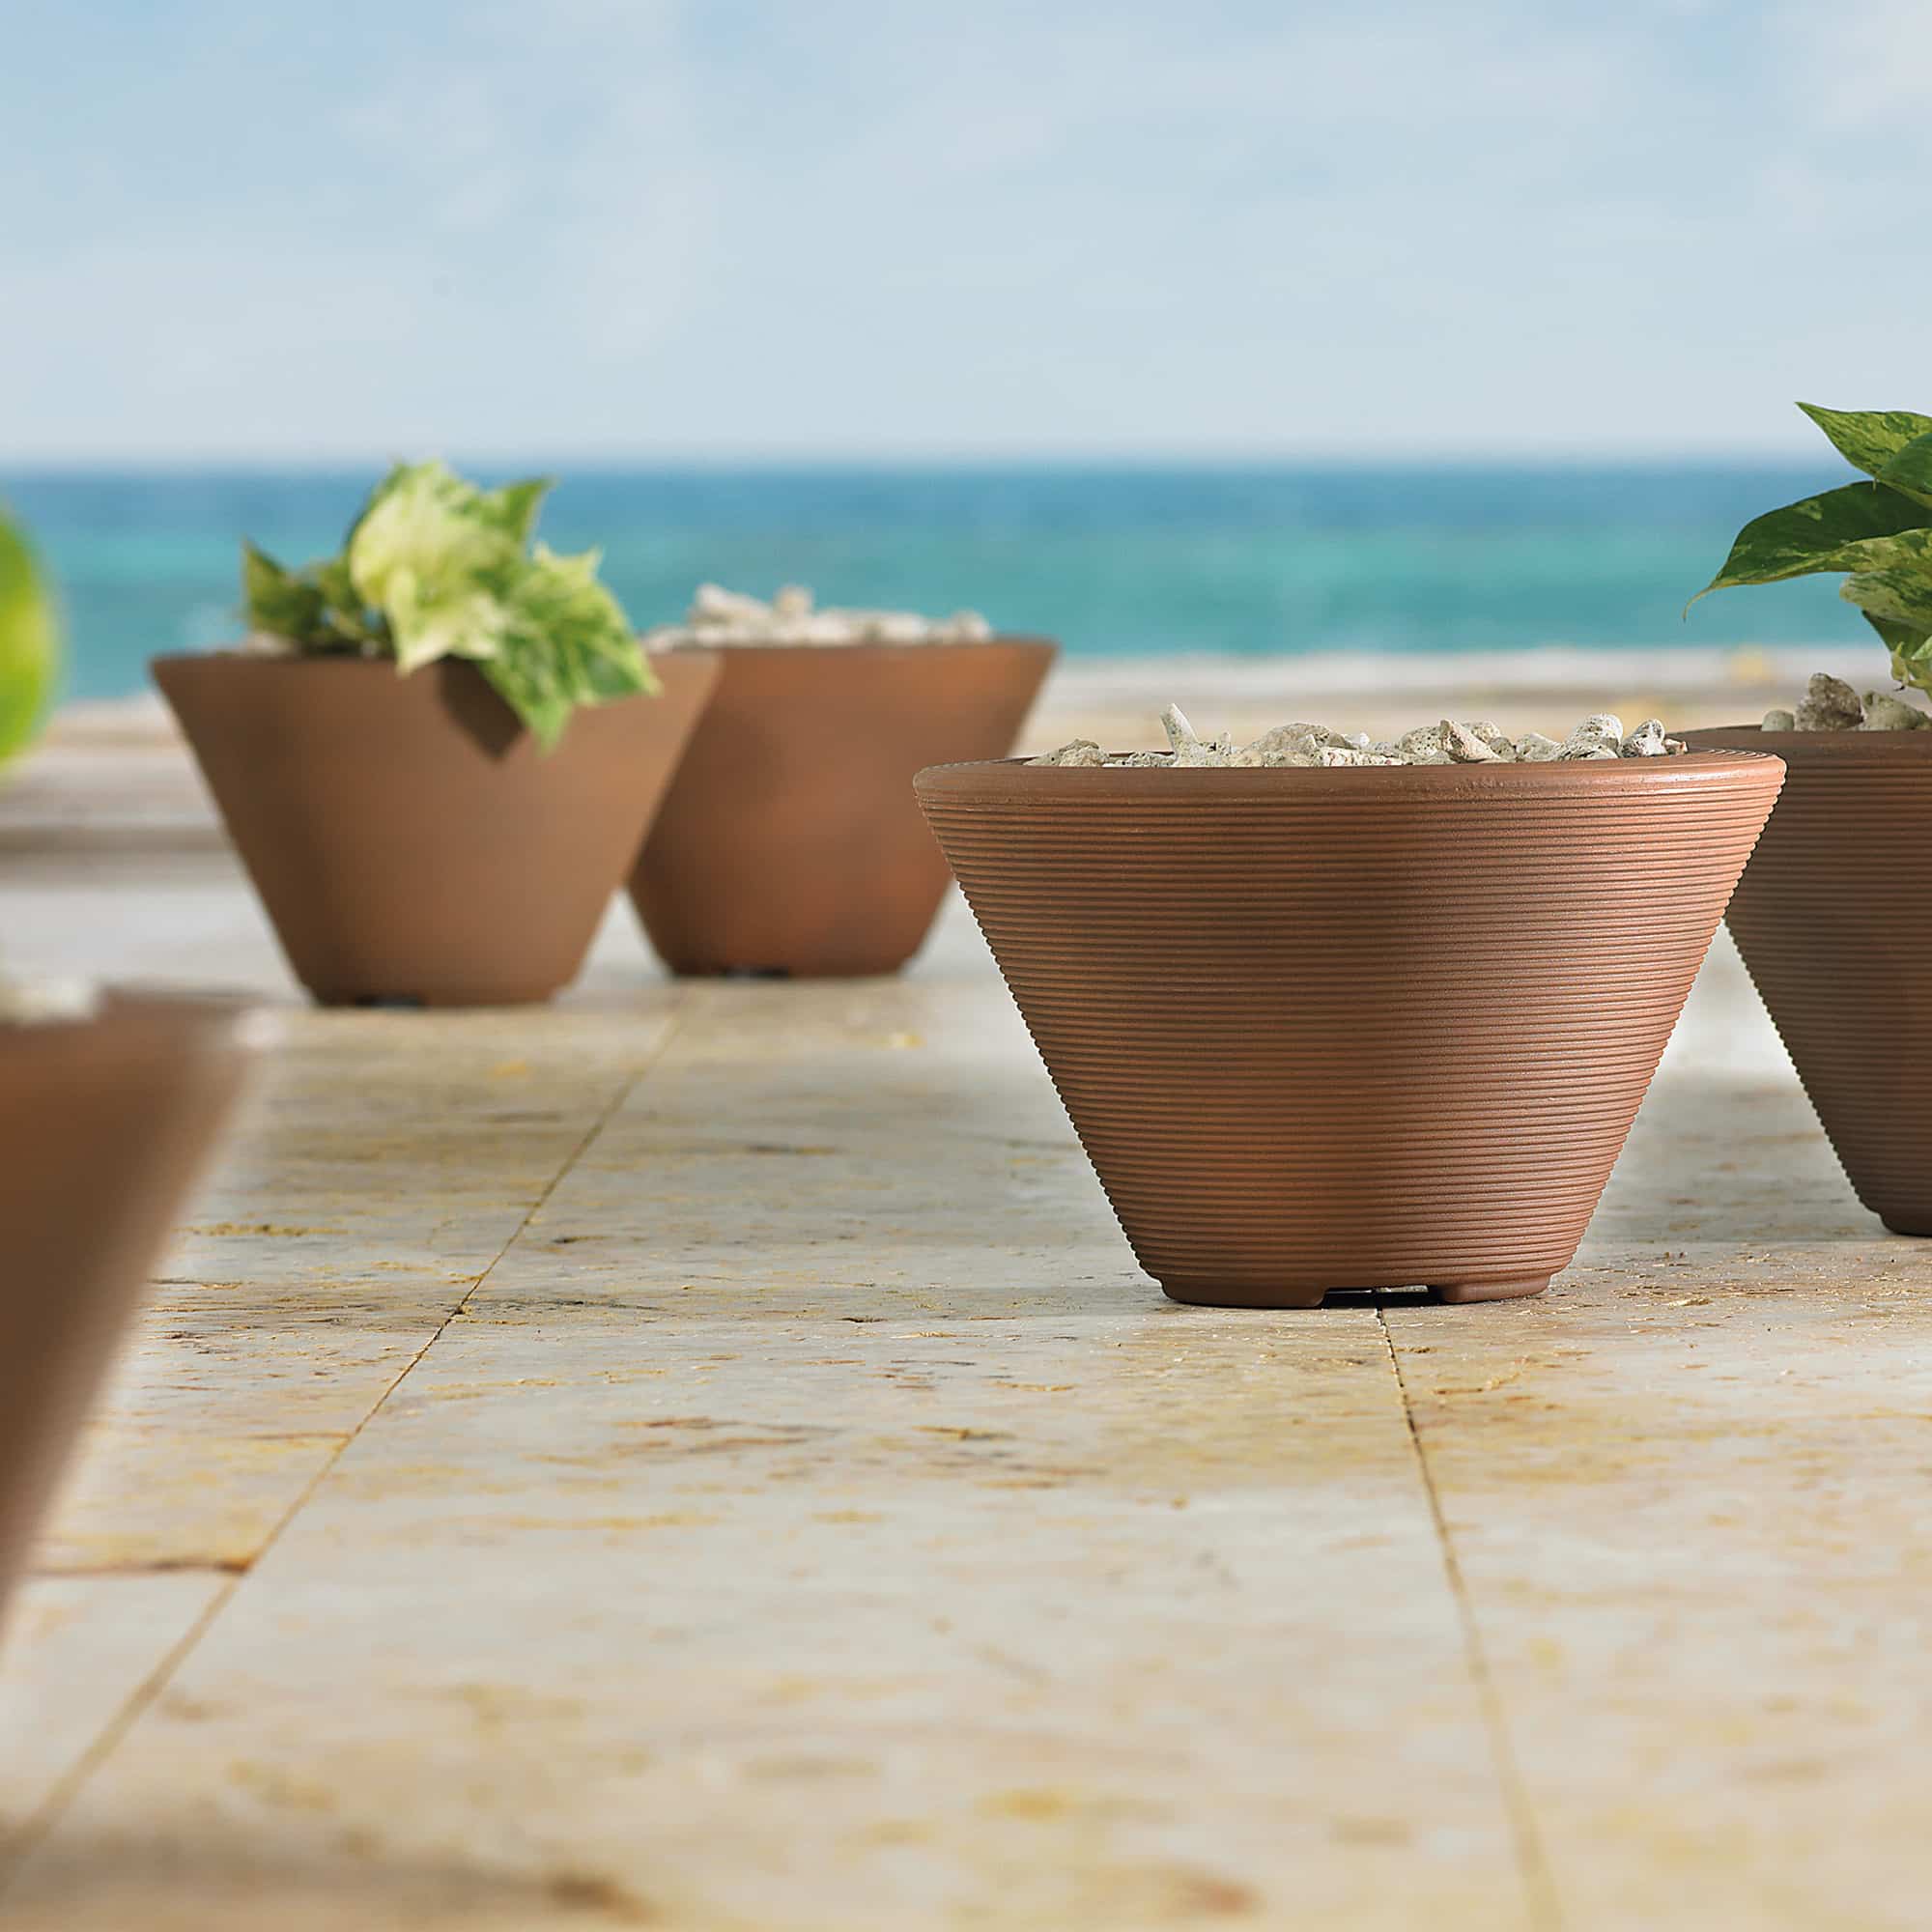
<point>103,1125</point>
<point>1360,1029</point>
<point>408,840</point>
<point>790,842</point>
<point>1836,936</point>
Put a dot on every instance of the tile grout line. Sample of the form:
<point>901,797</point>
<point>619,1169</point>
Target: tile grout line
<point>18,1846</point>
<point>1537,1883</point>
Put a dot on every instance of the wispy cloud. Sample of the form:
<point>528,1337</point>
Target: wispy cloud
<point>623,226</point>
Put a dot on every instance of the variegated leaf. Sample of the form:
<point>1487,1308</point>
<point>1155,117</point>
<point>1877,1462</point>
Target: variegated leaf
<point>1823,532</point>
<point>1910,471</point>
<point>1868,439</point>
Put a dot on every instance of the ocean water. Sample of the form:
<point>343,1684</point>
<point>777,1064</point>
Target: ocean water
<point>1115,562</point>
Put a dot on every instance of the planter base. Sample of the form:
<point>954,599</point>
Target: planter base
<point>1244,1294</point>
<point>1489,1290</point>
<point>1918,1226</point>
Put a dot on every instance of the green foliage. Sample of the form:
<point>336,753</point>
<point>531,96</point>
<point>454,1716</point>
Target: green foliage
<point>435,568</point>
<point>1880,532</point>
<point>29,642</point>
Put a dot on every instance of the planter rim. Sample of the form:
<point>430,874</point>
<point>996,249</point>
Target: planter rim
<point>1017,781</point>
<point>345,660</point>
<point>1009,641</point>
<point>131,1014</point>
<point>1871,747</point>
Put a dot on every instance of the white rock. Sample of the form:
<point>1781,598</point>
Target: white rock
<point>1829,704</point>
<point>1779,721</point>
<point>1534,749</point>
<point>1463,746</point>
<point>1887,712</point>
<point>1494,737</point>
<point>1600,736</point>
<point>1081,751</point>
<point>1647,741</point>
<point>1349,755</point>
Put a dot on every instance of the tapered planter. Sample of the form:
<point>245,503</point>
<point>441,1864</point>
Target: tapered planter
<point>103,1125</point>
<point>1352,1029</point>
<point>408,840</point>
<point>1835,934</point>
<point>789,842</point>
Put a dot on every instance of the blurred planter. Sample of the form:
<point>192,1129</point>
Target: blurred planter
<point>104,1125</point>
<point>1835,935</point>
<point>1360,1029</point>
<point>790,841</point>
<point>410,841</point>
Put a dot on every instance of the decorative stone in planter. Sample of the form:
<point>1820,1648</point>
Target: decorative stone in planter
<point>104,1121</point>
<point>789,842</point>
<point>1834,935</point>
<point>410,841</point>
<point>1363,1026</point>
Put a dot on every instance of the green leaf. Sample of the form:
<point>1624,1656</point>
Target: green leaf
<point>1823,532</point>
<point>1910,471</point>
<point>29,642</point>
<point>1868,439</point>
<point>276,601</point>
<point>514,507</point>
<point>1901,593</point>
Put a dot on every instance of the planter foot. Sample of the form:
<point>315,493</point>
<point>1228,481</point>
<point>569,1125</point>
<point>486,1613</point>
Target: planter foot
<point>1235,1294</point>
<point>1488,1290</point>
<point>1914,1223</point>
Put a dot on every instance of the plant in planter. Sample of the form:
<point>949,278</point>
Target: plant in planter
<point>438,751</point>
<point>789,842</point>
<point>1828,943</point>
<point>109,1103</point>
<point>1327,1014</point>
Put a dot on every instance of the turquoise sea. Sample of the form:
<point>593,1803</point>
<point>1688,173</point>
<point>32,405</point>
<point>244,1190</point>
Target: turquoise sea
<point>1115,562</point>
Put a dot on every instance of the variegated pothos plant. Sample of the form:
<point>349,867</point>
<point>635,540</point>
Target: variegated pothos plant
<point>435,567</point>
<point>1880,532</point>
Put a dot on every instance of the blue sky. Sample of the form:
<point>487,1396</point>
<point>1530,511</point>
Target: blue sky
<point>236,229</point>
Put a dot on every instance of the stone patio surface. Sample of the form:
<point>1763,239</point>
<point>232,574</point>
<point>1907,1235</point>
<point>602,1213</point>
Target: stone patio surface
<point>702,1457</point>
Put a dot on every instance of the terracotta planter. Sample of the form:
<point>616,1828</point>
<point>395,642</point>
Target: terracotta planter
<point>1835,934</point>
<point>411,842</point>
<point>790,842</point>
<point>103,1125</point>
<point>1360,1029</point>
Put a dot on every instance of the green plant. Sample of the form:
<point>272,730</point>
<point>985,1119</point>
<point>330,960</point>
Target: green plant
<point>435,567</point>
<point>1879,531</point>
<point>29,642</point>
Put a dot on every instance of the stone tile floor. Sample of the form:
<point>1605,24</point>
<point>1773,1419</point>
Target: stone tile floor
<point>702,1457</point>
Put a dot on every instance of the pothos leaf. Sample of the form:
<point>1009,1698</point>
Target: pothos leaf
<point>1868,439</point>
<point>1910,470</point>
<point>276,601</point>
<point>29,642</point>
<point>1823,532</point>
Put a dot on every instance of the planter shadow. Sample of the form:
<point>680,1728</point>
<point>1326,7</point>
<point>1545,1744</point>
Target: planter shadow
<point>1834,937</point>
<point>104,1125</point>
<point>790,843</point>
<point>1374,1028</point>
<point>411,843</point>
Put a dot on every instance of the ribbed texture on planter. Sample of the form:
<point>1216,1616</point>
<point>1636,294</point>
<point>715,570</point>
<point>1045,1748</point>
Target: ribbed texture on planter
<point>408,840</point>
<point>103,1127</point>
<point>1836,933</point>
<point>1367,1028</point>
<point>790,842</point>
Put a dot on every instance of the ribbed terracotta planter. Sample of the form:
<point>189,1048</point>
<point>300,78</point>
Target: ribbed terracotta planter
<point>1371,1027</point>
<point>1837,934</point>
<point>410,841</point>
<point>790,842</point>
<point>103,1125</point>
